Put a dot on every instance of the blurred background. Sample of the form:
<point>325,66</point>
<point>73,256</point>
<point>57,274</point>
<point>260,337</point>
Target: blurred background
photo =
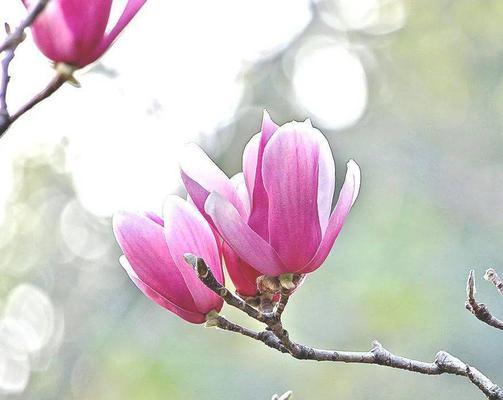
<point>412,90</point>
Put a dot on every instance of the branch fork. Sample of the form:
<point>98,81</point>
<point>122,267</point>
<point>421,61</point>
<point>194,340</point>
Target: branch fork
<point>480,310</point>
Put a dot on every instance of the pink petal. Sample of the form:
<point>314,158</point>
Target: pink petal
<point>347,197</point>
<point>143,243</point>
<point>87,20</point>
<point>250,157</point>
<point>241,238</point>
<point>238,181</point>
<point>190,316</point>
<point>70,31</point>
<point>201,176</point>
<point>243,276</point>
<point>154,217</point>
<point>290,171</point>
<point>131,9</point>
<point>260,205</point>
<point>186,231</point>
<point>326,181</point>
<point>52,34</point>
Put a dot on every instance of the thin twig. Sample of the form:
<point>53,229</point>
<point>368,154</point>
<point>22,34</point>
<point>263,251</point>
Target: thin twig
<point>278,338</point>
<point>283,301</point>
<point>53,85</point>
<point>493,277</point>
<point>207,277</point>
<point>4,83</point>
<point>7,120</point>
<point>478,309</point>
<point>9,46</point>
<point>14,38</point>
<point>266,337</point>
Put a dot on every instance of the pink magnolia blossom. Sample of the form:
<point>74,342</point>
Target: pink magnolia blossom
<point>74,31</point>
<point>154,257</point>
<point>285,223</point>
<point>241,273</point>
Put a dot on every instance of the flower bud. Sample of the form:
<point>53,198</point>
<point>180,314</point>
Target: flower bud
<point>154,251</point>
<point>74,32</point>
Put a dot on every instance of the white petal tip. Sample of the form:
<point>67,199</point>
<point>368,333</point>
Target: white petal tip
<point>354,171</point>
<point>127,266</point>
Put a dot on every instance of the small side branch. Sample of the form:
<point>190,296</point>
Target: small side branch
<point>8,48</point>
<point>17,36</point>
<point>4,83</point>
<point>492,276</point>
<point>266,337</point>
<point>207,277</point>
<point>478,309</point>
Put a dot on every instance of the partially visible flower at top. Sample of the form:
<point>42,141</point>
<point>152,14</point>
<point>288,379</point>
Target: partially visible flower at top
<point>285,225</point>
<point>73,32</point>
<point>154,251</point>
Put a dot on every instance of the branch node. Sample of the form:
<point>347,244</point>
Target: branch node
<point>212,319</point>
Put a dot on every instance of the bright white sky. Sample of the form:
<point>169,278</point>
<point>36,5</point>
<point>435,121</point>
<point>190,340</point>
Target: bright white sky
<point>178,79</point>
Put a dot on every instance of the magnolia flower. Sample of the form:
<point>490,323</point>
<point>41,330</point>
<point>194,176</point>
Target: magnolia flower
<point>73,32</point>
<point>154,257</point>
<point>284,225</point>
<point>241,273</point>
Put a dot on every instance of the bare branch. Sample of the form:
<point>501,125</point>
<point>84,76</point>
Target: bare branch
<point>492,391</point>
<point>283,301</point>
<point>444,362</point>
<point>53,85</point>
<point>4,83</point>
<point>207,277</point>
<point>8,47</point>
<point>493,277</point>
<point>266,337</point>
<point>278,338</point>
<point>17,36</point>
<point>478,309</point>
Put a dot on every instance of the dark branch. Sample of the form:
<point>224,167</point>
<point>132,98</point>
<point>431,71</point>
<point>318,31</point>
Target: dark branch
<point>283,301</point>
<point>53,85</point>
<point>492,391</point>
<point>207,277</point>
<point>14,38</point>
<point>8,47</point>
<point>478,309</point>
<point>267,337</point>
<point>277,338</point>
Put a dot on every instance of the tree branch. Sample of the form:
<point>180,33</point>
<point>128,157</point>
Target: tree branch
<point>266,337</point>
<point>480,310</point>
<point>8,47</point>
<point>277,338</point>
<point>207,277</point>
<point>493,277</point>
